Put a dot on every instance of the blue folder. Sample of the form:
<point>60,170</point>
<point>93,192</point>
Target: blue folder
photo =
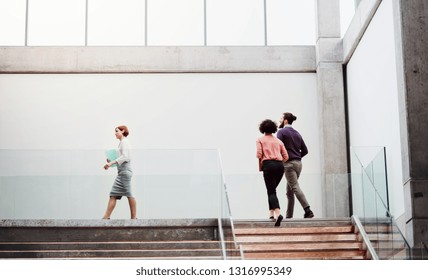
<point>112,155</point>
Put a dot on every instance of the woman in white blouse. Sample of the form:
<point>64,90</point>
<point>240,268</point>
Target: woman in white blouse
<point>122,183</point>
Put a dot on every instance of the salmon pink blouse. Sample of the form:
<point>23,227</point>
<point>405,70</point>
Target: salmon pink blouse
<point>271,148</point>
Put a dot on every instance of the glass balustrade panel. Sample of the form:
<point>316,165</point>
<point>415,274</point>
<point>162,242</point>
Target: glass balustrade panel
<point>70,184</point>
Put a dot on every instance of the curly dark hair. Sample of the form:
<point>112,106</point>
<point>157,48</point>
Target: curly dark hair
<point>268,126</point>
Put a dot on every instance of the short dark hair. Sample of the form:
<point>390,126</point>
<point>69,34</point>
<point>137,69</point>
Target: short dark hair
<point>124,130</point>
<point>268,126</point>
<point>289,117</point>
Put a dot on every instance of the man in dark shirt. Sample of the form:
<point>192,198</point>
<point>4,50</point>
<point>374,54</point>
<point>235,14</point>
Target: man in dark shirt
<point>296,149</point>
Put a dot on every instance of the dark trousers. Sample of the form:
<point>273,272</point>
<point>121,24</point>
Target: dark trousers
<point>272,174</point>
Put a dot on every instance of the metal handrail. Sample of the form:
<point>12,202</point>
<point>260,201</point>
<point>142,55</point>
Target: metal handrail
<point>221,235</point>
<point>223,190</point>
<point>366,240</point>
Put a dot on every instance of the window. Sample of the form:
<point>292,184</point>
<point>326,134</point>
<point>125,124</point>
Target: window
<point>56,22</point>
<point>172,22</point>
<point>116,22</point>
<point>235,22</point>
<point>161,22</point>
<point>12,22</point>
<point>290,22</point>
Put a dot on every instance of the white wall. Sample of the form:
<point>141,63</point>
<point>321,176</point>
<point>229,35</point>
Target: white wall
<point>163,111</point>
<point>373,98</point>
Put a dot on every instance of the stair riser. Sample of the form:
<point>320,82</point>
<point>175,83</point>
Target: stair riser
<point>38,234</point>
<point>335,255</point>
<point>302,247</point>
<point>110,246</point>
<point>298,230</point>
<point>295,238</point>
<point>112,254</point>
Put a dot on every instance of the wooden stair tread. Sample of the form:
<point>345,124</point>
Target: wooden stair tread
<point>334,255</point>
<point>294,238</point>
<point>302,246</point>
<point>294,230</point>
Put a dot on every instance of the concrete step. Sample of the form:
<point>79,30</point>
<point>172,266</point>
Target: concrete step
<point>81,253</point>
<point>122,245</point>
<point>106,230</point>
<point>105,239</point>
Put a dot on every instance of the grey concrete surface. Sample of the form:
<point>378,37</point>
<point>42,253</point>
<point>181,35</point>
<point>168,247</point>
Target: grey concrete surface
<point>412,71</point>
<point>246,59</point>
<point>109,223</point>
<point>331,106</point>
<point>361,20</point>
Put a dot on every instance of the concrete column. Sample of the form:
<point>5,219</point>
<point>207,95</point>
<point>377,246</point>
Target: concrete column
<point>412,64</point>
<point>331,100</point>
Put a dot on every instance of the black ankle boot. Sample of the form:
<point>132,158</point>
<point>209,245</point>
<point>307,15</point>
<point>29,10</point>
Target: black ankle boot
<point>308,213</point>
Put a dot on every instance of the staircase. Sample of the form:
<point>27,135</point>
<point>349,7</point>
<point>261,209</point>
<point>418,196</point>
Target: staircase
<point>387,241</point>
<point>314,239</point>
<point>112,239</point>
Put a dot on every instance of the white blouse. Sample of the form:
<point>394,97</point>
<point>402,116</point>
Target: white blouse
<point>124,151</point>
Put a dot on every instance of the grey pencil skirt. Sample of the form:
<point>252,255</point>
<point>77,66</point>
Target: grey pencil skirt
<point>122,183</point>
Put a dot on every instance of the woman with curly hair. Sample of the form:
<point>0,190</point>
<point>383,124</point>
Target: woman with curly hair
<point>271,153</point>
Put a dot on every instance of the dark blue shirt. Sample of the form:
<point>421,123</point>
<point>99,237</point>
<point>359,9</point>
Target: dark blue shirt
<point>293,142</point>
